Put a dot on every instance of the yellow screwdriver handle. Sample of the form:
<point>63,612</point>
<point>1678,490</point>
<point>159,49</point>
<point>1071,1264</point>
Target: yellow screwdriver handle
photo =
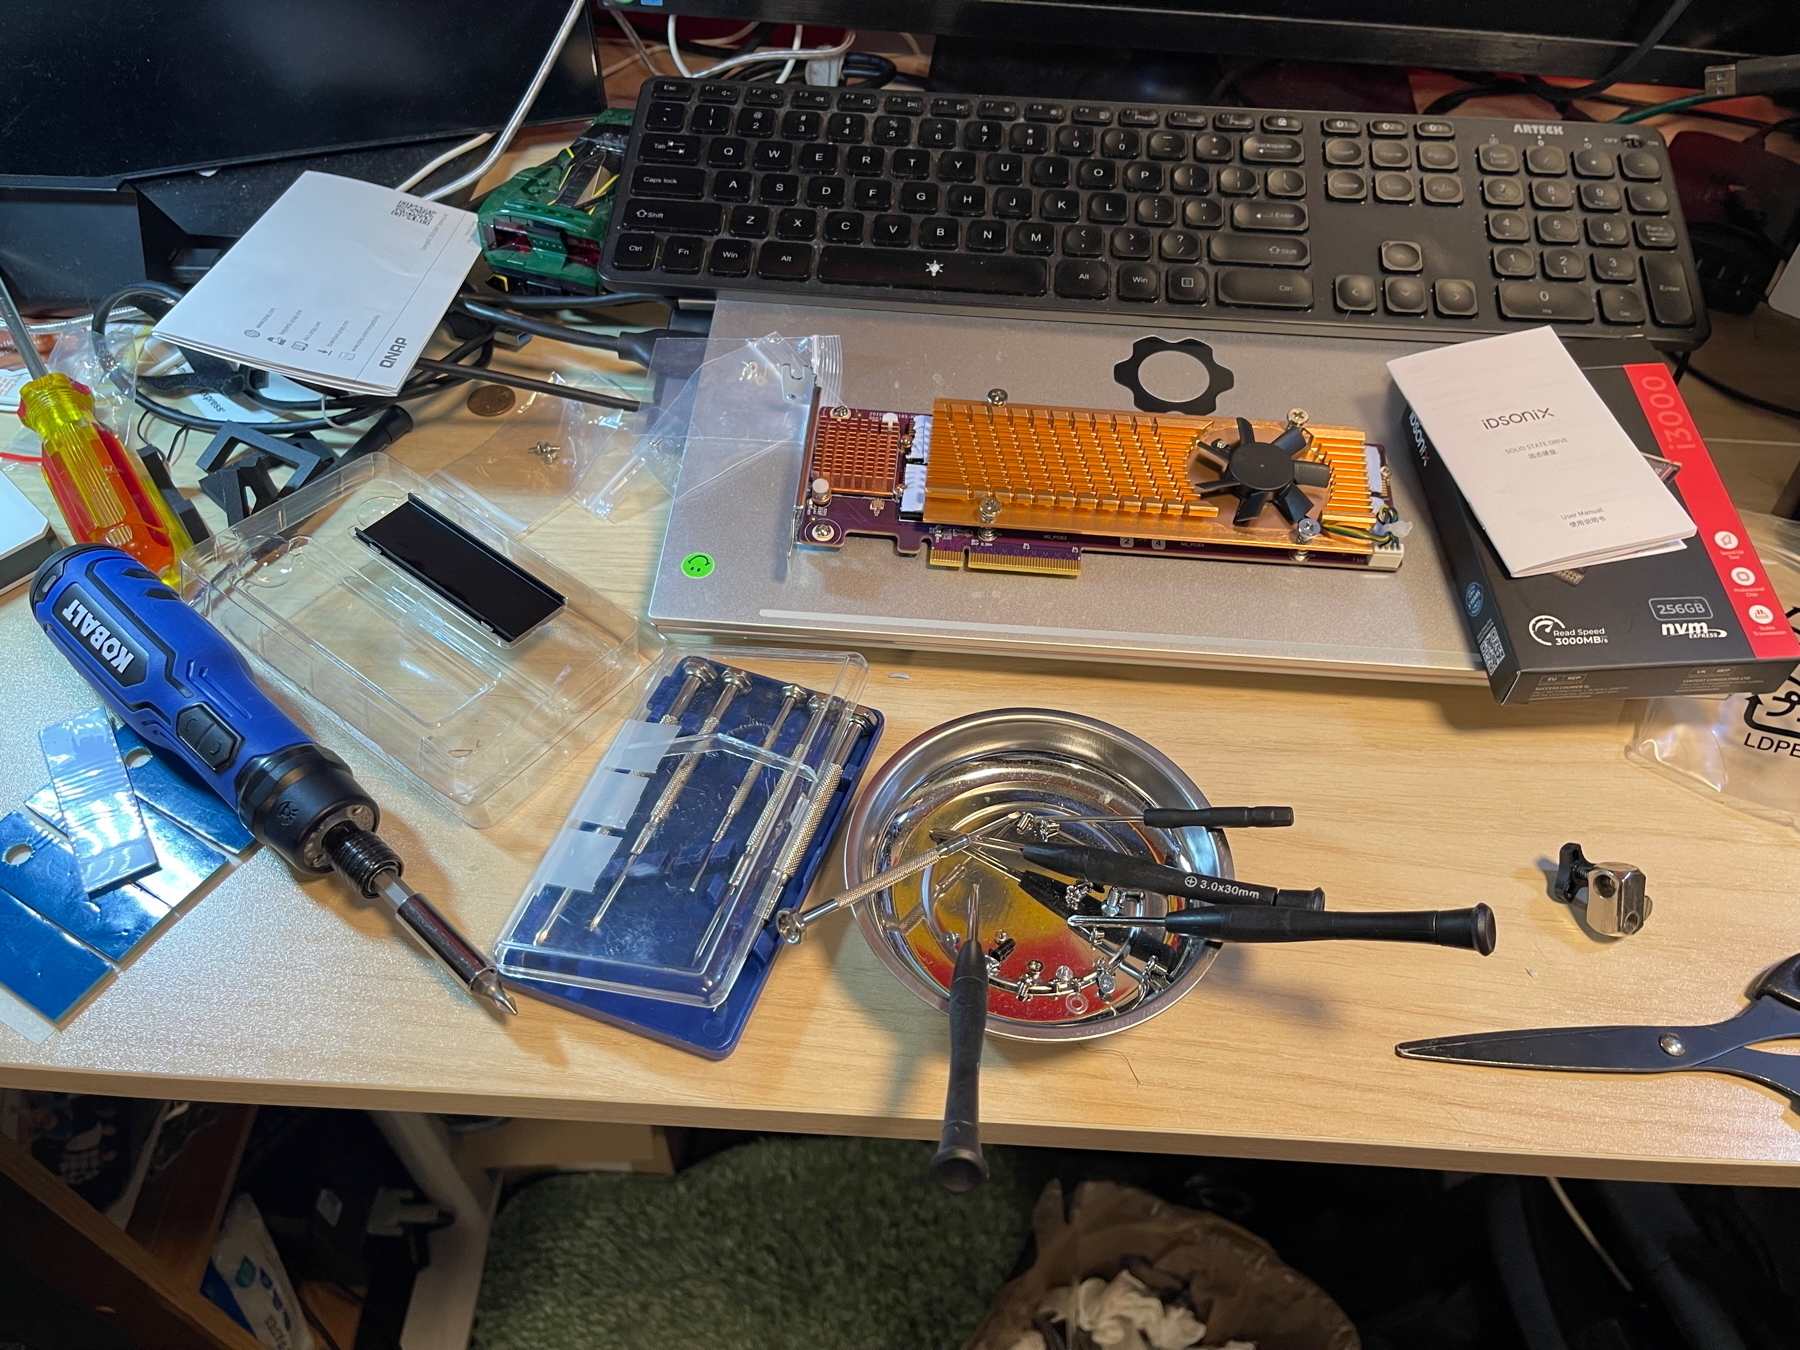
<point>103,489</point>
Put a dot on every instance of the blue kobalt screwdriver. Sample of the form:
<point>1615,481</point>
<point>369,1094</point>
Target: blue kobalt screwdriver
<point>178,682</point>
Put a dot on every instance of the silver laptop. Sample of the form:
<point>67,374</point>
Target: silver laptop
<point>1178,611</point>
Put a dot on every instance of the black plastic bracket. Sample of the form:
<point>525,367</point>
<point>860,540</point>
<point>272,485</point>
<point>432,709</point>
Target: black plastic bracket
<point>307,456</point>
<point>1129,373</point>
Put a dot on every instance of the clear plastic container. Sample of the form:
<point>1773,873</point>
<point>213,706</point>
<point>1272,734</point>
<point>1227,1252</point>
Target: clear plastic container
<point>477,721</point>
<point>704,807</point>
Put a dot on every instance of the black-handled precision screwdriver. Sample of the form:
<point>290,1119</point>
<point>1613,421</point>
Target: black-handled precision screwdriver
<point>1184,817</point>
<point>1472,929</point>
<point>1121,869</point>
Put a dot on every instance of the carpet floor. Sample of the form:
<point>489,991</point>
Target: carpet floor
<point>775,1245</point>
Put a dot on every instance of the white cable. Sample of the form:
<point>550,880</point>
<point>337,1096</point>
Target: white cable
<point>637,43</point>
<point>675,50</point>
<point>632,60</point>
<point>1588,1233</point>
<point>728,39</point>
<point>777,54</point>
<point>913,42</point>
<point>513,123</point>
<point>474,142</point>
<point>788,69</point>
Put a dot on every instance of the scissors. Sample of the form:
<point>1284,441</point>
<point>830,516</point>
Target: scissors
<point>1773,1014</point>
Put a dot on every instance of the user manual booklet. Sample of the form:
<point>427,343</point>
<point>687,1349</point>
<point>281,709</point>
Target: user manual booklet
<point>340,283</point>
<point>1548,471</point>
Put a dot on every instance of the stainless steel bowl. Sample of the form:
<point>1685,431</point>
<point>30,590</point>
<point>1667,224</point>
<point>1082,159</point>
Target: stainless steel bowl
<point>970,771</point>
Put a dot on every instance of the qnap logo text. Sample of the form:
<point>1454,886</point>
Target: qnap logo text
<point>1523,415</point>
<point>1537,129</point>
<point>394,351</point>
<point>1550,631</point>
<point>1697,628</point>
<point>80,621</point>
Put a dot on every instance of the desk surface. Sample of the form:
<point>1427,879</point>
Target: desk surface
<point>1407,796</point>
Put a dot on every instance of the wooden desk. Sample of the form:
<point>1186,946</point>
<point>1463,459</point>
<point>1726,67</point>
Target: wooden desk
<point>1412,796</point>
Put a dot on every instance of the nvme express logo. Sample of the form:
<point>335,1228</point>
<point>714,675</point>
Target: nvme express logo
<point>1685,616</point>
<point>1551,631</point>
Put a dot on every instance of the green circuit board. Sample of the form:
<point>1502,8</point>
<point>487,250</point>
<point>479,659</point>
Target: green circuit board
<point>542,229</point>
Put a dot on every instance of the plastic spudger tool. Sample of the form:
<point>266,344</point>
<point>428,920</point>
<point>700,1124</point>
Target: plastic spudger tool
<point>99,809</point>
<point>38,869</point>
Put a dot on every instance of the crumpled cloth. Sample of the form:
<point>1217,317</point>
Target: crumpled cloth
<point>1122,1315</point>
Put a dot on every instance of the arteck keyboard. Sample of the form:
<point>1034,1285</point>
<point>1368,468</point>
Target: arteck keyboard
<point>1301,221</point>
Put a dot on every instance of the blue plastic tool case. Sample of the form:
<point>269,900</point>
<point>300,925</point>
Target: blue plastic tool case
<point>711,810</point>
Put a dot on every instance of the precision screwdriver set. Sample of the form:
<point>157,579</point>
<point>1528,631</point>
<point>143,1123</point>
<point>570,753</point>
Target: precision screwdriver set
<point>708,813</point>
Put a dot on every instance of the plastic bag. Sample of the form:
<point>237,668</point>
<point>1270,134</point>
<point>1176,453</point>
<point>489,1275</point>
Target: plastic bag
<point>73,355</point>
<point>1744,749</point>
<point>740,406</point>
<point>246,1279</point>
<point>539,452</point>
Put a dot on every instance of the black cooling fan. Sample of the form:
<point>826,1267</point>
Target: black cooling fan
<point>1260,472</point>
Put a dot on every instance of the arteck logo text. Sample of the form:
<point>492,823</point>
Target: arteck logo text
<point>1537,129</point>
<point>120,655</point>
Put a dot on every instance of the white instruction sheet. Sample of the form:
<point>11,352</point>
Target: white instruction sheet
<point>1548,471</point>
<point>340,283</point>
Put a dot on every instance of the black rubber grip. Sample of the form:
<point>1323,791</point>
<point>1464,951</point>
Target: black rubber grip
<point>1468,928</point>
<point>958,1165</point>
<point>1121,869</point>
<point>1219,817</point>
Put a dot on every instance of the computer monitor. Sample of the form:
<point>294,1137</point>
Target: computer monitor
<point>104,90</point>
<point>1543,37</point>
<point>131,128</point>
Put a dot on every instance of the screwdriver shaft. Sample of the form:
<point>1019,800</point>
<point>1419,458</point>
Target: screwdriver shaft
<point>735,681</point>
<point>698,674</point>
<point>794,693</point>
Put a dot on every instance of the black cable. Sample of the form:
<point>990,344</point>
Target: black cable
<point>1446,103</point>
<point>1741,396</point>
<point>871,69</point>
<point>110,364</point>
<point>341,411</point>
<point>1229,80</point>
<point>1631,61</point>
<point>1681,365</point>
<point>606,301</point>
<point>484,375</point>
<point>558,332</point>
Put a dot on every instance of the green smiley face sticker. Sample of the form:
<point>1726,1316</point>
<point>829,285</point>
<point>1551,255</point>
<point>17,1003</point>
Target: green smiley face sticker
<point>697,565</point>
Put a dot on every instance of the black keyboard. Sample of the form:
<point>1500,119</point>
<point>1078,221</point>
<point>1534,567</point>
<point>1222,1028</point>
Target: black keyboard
<point>1301,221</point>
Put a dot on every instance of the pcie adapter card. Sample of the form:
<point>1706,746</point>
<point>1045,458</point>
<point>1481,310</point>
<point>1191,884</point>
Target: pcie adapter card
<point>1009,487</point>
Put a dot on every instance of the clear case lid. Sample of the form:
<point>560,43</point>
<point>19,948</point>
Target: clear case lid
<point>478,721</point>
<point>694,821</point>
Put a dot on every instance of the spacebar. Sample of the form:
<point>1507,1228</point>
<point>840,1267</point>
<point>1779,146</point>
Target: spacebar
<point>932,271</point>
